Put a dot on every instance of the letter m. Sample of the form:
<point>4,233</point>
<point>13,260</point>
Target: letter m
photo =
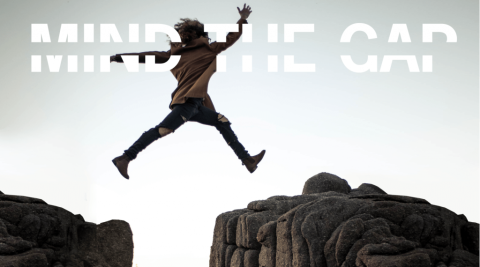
<point>40,32</point>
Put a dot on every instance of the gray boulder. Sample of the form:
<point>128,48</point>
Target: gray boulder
<point>34,234</point>
<point>324,182</point>
<point>332,225</point>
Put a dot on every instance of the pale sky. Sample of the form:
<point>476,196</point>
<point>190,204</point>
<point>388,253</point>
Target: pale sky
<point>410,133</point>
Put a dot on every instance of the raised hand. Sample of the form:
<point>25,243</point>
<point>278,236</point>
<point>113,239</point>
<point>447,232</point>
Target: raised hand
<point>245,12</point>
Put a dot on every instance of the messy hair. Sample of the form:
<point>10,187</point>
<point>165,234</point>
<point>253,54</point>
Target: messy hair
<point>187,25</point>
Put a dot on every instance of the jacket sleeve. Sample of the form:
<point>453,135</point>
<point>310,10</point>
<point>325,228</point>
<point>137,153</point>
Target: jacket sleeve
<point>160,57</point>
<point>232,37</point>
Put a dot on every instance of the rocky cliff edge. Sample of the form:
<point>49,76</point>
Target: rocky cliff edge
<point>35,234</point>
<point>332,225</point>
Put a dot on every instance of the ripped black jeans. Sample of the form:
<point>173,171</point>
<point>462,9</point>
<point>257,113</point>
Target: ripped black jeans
<point>192,110</point>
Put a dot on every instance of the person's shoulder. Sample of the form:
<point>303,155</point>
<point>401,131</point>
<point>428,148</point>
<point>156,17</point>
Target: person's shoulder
<point>203,39</point>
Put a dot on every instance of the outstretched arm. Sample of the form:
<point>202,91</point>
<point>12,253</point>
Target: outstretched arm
<point>232,37</point>
<point>160,57</point>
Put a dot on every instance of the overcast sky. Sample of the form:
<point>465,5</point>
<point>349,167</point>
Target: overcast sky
<point>410,133</point>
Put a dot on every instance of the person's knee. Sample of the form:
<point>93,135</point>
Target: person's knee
<point>224,128</point>
<point>164,131</point>
<point>222,118</point>
<point>222,123</point>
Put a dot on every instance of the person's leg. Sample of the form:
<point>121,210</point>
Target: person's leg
<point>176,118</point>
<point>209,117</point>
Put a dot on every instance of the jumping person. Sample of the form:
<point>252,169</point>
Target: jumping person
<point>190,100</point>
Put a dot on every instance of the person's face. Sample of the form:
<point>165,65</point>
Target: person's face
<point>188,36</point>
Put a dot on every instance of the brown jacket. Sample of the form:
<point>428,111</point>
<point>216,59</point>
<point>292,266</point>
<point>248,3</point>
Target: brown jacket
<point>197,64</point>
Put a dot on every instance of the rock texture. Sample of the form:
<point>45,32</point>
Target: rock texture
<point>35,234</point>
<point>332,225</point>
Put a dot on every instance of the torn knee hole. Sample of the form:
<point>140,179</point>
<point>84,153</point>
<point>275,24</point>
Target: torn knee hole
<point>184,119</point>
<point>222,118</point>
<point>164,131</point>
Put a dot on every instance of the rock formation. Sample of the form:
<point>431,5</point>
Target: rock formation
<point>35,234</point>
<point>332,225</point>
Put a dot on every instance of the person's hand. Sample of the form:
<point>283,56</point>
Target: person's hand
<point>245,12</point>
<point>112,59</point>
